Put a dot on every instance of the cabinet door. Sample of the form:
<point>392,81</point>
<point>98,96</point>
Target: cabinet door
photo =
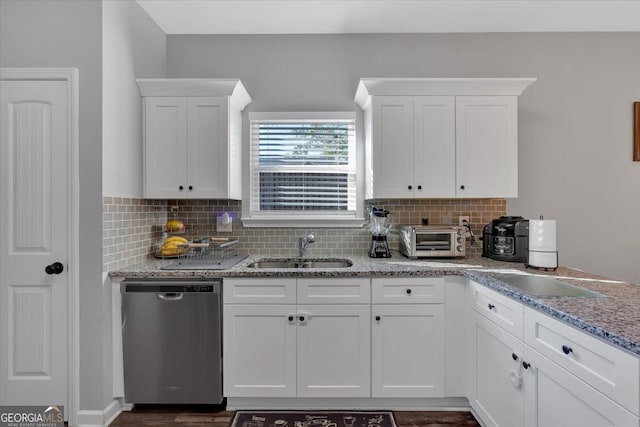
<point>554,397</point>
<point>208,156</point>
<point>407,351</point>
<point>434,146</point>
<point>392,147</point>
<point>165,147</point>
<point>259,348</point>
<point>486,146</point>
<point>495,358</point>
<point>334,351</point>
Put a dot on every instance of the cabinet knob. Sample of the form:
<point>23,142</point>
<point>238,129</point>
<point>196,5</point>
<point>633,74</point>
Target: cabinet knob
<point>566,349</point>
<point>491,306</point>
<point>408,291</point>
<point>301,318</point>
<point>419,187</point>
<point>514,356</point>
<point>181,188</point>
<point>290,318</point>
<point>377,318</point>
<point>410,187</point>
<point>525,365</point>
<point>462,187</point>
<point>190,187</point>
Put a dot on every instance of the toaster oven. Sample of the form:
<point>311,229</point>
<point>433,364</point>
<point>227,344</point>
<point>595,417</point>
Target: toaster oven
<point>432,241</point>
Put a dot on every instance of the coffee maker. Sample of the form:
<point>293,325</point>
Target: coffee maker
<point>506,239</point>
<point>380,224</point>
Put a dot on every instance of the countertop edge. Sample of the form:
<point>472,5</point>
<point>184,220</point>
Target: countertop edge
<point>362,267</point>
<point>591,329</point>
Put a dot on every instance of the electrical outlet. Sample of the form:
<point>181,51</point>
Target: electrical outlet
<point>462,219</point>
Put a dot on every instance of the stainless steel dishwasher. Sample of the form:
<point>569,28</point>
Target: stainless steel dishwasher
<point>172,341</point>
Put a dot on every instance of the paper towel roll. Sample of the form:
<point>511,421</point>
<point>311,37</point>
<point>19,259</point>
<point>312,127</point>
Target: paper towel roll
<point>542,235</point>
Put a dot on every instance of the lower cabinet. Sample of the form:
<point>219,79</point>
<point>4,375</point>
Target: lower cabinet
<point>494,375</point>
<point>259,350</point>
<point>289,351</point>
<point>512,384</point>
<point>333,351</point>
<point>407,350</point>
<point>554,397</point>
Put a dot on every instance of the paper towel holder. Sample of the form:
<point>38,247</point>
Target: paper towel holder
<point>542,252</point>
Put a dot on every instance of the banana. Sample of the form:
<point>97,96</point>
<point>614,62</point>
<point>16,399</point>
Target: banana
<point>169,251</point>
<point>176,239</point>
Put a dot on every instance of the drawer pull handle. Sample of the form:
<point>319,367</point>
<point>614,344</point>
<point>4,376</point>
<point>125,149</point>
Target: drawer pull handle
<point>408,291</point>
<point>514,356</point>
<point>566,349</point>
<point>290,318</point>
<point>377,318</point>
<point>301,318</point>
<point>525,365</point>
<point>491,306</point>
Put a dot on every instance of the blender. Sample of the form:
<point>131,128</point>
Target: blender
<point>380,224</point>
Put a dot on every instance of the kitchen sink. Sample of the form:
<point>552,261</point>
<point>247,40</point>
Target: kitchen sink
<point>545,286</point>
<point>302,263</point>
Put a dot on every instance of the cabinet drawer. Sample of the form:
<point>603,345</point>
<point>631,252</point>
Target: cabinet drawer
<point>259,291</point>
<point>609,370</point>
<point>334,291</point>
<point>407,290</point>
<point>502,310</point>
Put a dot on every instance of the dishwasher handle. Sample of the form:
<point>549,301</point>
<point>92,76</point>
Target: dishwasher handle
<point>169,296</point>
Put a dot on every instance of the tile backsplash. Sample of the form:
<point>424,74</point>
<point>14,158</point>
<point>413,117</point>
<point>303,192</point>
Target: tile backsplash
<point>133,227</point>
<point>130,230</point>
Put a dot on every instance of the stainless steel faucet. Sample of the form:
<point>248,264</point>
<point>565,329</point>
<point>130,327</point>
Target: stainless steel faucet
<point>303,242</point>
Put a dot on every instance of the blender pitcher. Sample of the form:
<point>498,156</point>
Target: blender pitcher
<point>380,224</point>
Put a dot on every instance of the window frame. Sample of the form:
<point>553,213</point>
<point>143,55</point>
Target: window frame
<point>297,218</point>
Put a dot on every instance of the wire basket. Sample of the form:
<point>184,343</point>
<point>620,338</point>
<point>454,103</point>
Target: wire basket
<point>213,248</point>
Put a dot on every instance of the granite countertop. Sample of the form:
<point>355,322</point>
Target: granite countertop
<point>615,318</point>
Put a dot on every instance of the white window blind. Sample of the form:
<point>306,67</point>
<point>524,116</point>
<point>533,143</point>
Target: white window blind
<point>303,167</point>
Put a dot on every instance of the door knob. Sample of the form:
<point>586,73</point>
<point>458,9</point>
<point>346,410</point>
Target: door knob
<point>55,268</point>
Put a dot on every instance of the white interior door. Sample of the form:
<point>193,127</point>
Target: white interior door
<point>34,196</point>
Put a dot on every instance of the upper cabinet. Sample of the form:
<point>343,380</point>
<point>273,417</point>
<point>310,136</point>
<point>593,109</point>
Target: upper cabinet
<point>193,138</point>
<point>441,138</point>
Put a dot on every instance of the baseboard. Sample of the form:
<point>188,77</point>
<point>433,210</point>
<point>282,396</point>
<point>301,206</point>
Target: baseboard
<point>398,404</point>
<point>100,418</point>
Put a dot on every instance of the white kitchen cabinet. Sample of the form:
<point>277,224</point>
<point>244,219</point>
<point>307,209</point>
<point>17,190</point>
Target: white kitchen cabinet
<point>554,397</point>
<point>440,137</point>
<point>486,146</point>
<point>411,151</point>
<point>611,371</point>
<point>407,350</point>
<point>259,350</point>
<point>192,142</point>
<point>296,350</point>
<point>333,350</point>
<point>549,375</point>
<point>407,337</point>
<point>495,391</point>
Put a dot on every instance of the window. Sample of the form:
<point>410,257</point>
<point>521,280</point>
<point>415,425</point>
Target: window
<point>303,169</point>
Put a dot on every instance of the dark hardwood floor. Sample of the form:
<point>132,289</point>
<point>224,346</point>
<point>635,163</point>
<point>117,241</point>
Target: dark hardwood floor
<point>215,416</point>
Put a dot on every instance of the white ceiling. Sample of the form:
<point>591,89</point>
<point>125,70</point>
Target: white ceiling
<point>390,16</point>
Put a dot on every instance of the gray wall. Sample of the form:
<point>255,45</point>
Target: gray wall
<point>574,123</point>
<point>68,34</point>
<point>133,46</point>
